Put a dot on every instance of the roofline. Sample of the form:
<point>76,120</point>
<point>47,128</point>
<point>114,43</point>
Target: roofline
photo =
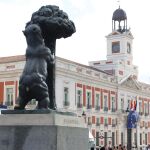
<point>17,58</point>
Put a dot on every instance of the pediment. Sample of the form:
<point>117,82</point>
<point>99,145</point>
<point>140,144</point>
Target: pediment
<point>114,33</point>
<point>130,82</point>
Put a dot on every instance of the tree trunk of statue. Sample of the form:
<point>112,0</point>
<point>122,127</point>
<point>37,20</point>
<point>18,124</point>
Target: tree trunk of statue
<point>51,44</point>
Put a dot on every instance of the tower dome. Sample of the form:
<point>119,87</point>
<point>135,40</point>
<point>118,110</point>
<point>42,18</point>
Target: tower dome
<point>119,14</point>
<point>118,17</point>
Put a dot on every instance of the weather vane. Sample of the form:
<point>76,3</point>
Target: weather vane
<point>118,3</point>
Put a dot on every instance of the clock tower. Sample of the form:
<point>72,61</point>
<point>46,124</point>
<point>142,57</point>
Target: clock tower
<point>119,41</point>
<point>119,49</point>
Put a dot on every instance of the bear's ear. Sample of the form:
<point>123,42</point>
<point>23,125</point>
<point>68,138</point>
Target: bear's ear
<point>24,33</point>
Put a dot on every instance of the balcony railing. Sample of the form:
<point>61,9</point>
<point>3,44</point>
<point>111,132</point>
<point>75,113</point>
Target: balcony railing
<point>140,113</point>
<point>123,111</point>
<point>66,103</point>
<point>89,106</point>
<point>113,110</point>
<point>89,123</point>
<point>97,124</point>
<point>97,107</point>
<point>105,108</point>
<point>146,126</point>
<point>79,105</point>
<point>113,125</point>
<point>9,103</point>
<point>105,125</point>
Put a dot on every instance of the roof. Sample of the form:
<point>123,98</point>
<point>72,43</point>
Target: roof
<point>18,58</point>
<point>12,59</point>
<point>119,15</point>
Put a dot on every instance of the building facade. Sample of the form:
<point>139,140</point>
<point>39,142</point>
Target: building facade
<point>102,92</point>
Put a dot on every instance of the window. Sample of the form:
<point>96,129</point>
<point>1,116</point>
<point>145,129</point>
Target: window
<point>79,98</point>
<point>128,48</point>
<point>105,103</point>
<point>89,121</point>
<point>97,101</point>
<point>97,138</point>
<point>145,139</point>
<point>113,122</point>
<point>113,104</point>
<point>122,104</point>
<point>140,108</point>
<point>122,139</point>
<point>128,105</point>
<point>9,97</point>
<point>89,106</point>
<point>116,47</point>
<point>146,109</point>
<point>97,121</point>
<point>106,122</point>
<point>66,96</point>
<point>140,138</point>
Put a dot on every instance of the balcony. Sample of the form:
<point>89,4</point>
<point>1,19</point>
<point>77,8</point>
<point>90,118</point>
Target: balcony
<point>106,109</point>
<point>105,125</point>
<point>113,125</point>
<point>66,103</point>
<point>146,126</point>
<point>141,113</point>
<point>123,111</point>
<point>89,123</point>
<point>9,103</point>
<point>89,106</point>
<point>97,107</point>
<point>146,113</point>
<point>79,105</point>
<point>97,124</point>
<point>113,110</point>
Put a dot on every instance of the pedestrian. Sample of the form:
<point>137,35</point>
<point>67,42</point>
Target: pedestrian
<point>147,147</point>
<point>124,147</point>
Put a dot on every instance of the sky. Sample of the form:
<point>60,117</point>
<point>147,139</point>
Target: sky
<point>93,21</point>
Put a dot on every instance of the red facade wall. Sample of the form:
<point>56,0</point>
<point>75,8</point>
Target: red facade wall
<point>93,119</point>
<point>9,83</point>
<point>102,120</point>
<point>84,95</point>
<point>93,97</point>
<point>1,92</point>
<point>16,89</point>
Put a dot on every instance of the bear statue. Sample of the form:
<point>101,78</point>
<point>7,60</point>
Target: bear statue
<point>32,83</point>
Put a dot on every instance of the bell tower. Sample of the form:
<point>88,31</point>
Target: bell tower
<point>119,49</point>
<point>119,41</point>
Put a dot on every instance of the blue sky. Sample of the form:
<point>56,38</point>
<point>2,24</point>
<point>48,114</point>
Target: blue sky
<point>93,22</point>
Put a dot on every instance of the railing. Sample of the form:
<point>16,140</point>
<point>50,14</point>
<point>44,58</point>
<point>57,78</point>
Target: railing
<point>123,111</point>
<point>105,125</point>
<point>89,106</point>
<point>97,124</point>
<point>89,123</point>
<point>113,110</point>
<point>113,125</point>
<point>66,103</point>
<point>105,108</point>
<point>9,103</point>
<point>146,114</point>
<point>79,105</point>
<point>140,113</point>
<point>97,107</point>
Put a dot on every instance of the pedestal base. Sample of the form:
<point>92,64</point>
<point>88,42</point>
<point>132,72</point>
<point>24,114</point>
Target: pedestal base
<point>50,131</point>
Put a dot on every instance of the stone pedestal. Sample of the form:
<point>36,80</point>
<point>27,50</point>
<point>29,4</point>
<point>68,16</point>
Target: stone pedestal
<point>39,131</point>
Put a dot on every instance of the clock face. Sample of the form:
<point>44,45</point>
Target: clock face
<point>128,48</point>
<point>115,47</point>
